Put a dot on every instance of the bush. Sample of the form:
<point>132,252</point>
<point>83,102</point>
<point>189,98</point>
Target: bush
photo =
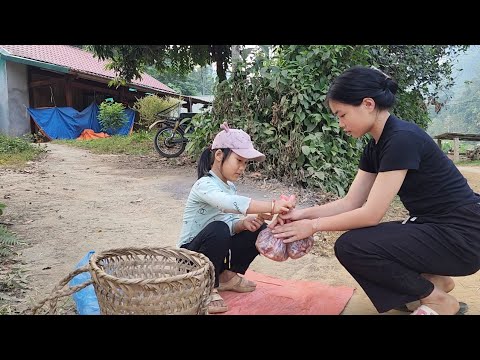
<point>112,116</point>
<point>13,145</point>
<point>446,147</point>
<point>151,105</point>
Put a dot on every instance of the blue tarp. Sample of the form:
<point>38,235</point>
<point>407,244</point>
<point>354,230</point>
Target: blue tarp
<point>68,123</point>
<point>85,299</point>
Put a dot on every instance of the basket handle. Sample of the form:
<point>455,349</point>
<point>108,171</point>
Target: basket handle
<point>57,292</point>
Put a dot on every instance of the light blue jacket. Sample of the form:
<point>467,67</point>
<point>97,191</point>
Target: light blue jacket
<point>210,199</point>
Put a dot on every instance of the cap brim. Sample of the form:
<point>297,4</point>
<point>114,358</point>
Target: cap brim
<point>250,154</point>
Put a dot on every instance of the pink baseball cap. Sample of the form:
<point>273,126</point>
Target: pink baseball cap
<point>238,141</point>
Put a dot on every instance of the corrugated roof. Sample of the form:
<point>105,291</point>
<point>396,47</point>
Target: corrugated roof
<point>78,60</point>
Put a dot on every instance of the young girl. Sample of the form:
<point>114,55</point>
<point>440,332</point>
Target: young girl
<point>211,221</point>
<point>396,262</point>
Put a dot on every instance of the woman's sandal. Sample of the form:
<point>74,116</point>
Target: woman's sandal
<point>237,284</point>
<point>424,310</point>
<point>463,308</point>
<point>215,308</point>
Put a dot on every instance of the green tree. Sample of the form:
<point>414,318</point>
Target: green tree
<point>129,61</point>
<point>198,82</point>
<point>461,112</point>
<point>424,74</point>
<point>280,102</point>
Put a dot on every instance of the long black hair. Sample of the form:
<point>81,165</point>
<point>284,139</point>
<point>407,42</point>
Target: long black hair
<point>358,83</point>
<point>206,160</point>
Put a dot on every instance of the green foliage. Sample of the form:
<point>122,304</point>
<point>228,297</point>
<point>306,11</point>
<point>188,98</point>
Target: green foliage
<point>423,73</point>
<point>461,111</point>
<point>13,145</point>
<point>112,116</point>
<point>129,61</point>
<point>462,115</point>
<point>17,150</point>
<point>447,146</point>
<point>469,163</point>
<point>280,102</point>
<point>151,105</point>
<point>2,206</point>
<point>200,81</point>
<point>205,130</point>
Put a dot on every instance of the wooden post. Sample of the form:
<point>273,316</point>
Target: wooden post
<point>122,94</point>
<point>456,150</point>
<point>68,91</point>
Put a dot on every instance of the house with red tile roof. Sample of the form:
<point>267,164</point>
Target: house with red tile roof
<point>39,76</point>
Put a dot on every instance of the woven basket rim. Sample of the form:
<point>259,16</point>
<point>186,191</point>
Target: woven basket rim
<point>104,254</point>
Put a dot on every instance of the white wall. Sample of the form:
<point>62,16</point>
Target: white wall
<point>18,99</point>
<point>3,97</point>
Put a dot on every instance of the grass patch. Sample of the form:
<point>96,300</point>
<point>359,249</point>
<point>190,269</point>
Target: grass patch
<point>469,163</point>
<point>139,143</point>
<point>17,151</point>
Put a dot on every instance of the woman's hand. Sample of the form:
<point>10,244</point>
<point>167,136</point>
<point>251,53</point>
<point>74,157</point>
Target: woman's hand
<point>295,230</point>
<point>292,215</point>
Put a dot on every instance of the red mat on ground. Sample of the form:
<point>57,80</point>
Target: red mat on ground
<point>274,296</point>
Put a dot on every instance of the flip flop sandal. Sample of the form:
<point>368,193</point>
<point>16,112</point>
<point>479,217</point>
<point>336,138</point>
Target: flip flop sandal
<point>237,284</point>
<point>424,310</point>
<point>215,309</point>
<point>463,308</point>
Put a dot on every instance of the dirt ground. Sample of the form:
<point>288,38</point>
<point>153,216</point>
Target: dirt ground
<point>73,201</point>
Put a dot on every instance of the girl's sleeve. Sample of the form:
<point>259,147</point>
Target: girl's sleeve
<point>227,203</point>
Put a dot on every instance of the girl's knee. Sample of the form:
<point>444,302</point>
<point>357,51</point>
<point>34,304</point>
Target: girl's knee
<point>218,227</point>
<point>261,228</point>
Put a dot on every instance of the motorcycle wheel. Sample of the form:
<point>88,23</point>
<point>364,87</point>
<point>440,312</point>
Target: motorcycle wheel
<point>163,142</point>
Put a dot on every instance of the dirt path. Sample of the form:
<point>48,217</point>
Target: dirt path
<point>73,201</point>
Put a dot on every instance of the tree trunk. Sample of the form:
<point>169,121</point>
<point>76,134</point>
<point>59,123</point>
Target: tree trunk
<point>221,55</point>
<point>235,57</point>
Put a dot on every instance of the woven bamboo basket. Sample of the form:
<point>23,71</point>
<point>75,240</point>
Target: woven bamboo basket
<point>144,281</point>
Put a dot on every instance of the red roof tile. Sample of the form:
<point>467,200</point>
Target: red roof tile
<point>78,60</point>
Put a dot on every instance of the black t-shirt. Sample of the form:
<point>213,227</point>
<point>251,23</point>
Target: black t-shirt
<point>433,184</point>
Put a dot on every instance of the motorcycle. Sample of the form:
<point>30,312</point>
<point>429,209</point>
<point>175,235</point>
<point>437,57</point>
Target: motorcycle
<point>170,140</point>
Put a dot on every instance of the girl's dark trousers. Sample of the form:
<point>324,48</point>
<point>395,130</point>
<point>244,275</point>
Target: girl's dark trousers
<point>226,252</point>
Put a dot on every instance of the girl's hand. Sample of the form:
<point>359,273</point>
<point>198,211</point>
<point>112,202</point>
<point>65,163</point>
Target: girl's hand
<point>265,216</point>
<point>283,205</point>
<point>252,223</point>
<point>295,230</point>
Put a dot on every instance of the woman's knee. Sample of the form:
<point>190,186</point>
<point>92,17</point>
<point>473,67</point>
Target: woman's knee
<point>345,245</point>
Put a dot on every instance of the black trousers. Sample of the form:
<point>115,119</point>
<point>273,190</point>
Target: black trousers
<point>387,259</point>
<point>226,252</point>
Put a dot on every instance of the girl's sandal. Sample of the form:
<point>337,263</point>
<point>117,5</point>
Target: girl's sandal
<point>237,284</point>
<point>216,308</point>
